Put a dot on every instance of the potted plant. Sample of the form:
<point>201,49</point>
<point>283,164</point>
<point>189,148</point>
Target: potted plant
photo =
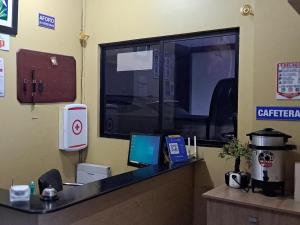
<point>236,150</point>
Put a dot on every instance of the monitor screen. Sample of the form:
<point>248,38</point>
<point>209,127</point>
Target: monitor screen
<point>144,150</point>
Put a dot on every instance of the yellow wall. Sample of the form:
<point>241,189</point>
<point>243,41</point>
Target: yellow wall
<point>30,147</point>
<point>269,37</point>
<point>277,35</point>
<point>110,21</point>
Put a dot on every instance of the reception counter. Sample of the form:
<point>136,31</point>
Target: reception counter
<point>153,195</point>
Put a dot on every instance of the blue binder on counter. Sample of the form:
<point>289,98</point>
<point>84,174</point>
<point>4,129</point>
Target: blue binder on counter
<point>176,148</point>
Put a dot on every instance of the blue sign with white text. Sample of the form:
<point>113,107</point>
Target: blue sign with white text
<point>46,21</point>
<point>277,113</point>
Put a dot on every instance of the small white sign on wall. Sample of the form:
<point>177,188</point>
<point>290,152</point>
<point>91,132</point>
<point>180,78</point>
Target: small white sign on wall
<point>288,80</point>
<point>4,42</point>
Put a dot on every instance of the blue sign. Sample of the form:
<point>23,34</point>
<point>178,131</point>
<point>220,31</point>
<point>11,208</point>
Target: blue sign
<point>176,148</point>
<point>46,21</point>
<point>277,113</point>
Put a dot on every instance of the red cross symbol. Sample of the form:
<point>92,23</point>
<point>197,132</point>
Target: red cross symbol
<point>77,127</point>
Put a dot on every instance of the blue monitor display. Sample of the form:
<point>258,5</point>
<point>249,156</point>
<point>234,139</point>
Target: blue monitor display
<point>144,150</point>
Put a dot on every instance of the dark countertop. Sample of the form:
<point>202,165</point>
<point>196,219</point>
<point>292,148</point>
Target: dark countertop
<point>75,195</point>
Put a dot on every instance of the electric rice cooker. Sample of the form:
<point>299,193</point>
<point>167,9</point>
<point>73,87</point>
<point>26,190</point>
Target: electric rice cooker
<point>267,167</point>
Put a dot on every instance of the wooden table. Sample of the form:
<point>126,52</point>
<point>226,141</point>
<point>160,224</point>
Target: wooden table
<point>228,206</point>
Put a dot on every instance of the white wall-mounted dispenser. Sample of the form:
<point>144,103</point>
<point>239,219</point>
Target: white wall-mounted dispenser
<point>73,127</point>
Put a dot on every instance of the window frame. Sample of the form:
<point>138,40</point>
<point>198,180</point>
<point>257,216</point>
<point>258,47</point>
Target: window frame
<point>160,40</point>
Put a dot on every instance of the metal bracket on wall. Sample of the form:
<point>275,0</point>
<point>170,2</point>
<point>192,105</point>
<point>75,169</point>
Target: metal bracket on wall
<point>83,38</point>
<point>247,10</point>
<point>37,85</point>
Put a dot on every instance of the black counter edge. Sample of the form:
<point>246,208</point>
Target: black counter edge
<point>109,190</point>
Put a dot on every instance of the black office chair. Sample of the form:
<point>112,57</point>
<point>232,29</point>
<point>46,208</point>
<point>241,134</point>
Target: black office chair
<point>222,123</point>
<point>51,177</point>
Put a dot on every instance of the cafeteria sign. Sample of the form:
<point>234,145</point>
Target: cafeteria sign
<point>288,80</point>
<point>277,113</point>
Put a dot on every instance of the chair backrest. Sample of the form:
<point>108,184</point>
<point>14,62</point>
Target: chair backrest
<point>51,177</point>
<point>223,109</point>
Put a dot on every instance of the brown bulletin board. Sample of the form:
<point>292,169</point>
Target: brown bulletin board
<point>45,77</point>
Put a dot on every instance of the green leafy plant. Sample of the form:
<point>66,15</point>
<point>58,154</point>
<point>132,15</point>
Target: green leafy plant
<point>236,150</point>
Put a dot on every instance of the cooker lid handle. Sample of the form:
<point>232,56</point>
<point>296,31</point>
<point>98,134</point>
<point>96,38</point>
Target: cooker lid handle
<point>268,129</point>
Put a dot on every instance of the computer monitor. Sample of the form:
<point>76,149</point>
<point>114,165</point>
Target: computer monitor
<point>144,149</point>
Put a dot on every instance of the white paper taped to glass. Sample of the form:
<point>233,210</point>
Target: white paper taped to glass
<point>130,61</point>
